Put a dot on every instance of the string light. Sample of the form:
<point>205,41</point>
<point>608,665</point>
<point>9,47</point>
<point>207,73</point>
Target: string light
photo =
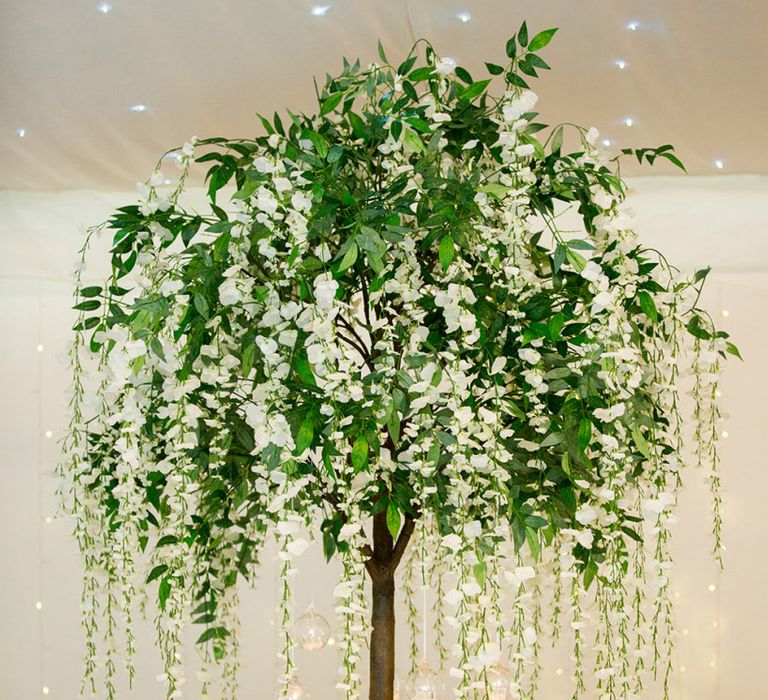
<point>320,10</point>
<point>685,632</point>
<point>719,164</point>
<point>48,519</point>
<point>629,121</point>
<point>559,671</point>
<point>725,313</point>
<point>712,587</point>
<point>40,347</point>
<point>38,605</point>
<point>21,133</point>
<point>105,8</point>
<point>607,142</point>
<point>48,434</point>
<point>138,108</point>
<point>633,26</point>
<point>620,64</point>
<point>725,434</point>
<point>463,17</point>
<point>682,669</point>
<point>46,690</point>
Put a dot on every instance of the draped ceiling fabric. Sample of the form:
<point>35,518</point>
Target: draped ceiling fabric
<point>69,73</point>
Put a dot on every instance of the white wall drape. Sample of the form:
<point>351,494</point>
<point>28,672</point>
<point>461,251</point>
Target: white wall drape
<point>721,643</point>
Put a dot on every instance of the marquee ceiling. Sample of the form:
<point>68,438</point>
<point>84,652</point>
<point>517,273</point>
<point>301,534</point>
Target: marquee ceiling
<point>687,72</point>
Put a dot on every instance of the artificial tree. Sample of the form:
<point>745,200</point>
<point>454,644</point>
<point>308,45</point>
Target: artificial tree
<point>383,332</point>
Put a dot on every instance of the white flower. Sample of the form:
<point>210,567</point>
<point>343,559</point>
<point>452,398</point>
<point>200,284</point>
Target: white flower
<point>591,271</point>
<point>609,414</point>
<point>586,515</point>
<point>325,290</point>
<point>601,302</point>
<point>445,66</point>
<point>585,538</point>
<point>592,135</point>
<point>525,150</point>
<point>229,294</point>
<point>297,547</point>
<point>452,542</point>
<point>521,105</point>
<point>473,530</point>
<point>135,348</point>
<point>498,365</point>
<point>529,355</point>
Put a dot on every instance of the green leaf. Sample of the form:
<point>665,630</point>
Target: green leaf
<point>304,436</point>
<point>475,89</point>
<point>480,571</point>
<point>532,536</point>
<point>512,47</point>
<point>576,260</point>
<point>648,306</point>
<point>393,520</point>
<point>523,34</point>
<point>590,571</point>
<point>542,39</point>
<point>86,292</point>
<point>163,591</point>
<point>382,55</point>
<point>212,633</point>
<point>733,350</point>
<point>349,259</point>
<point>157,572</point>
<point>557,140</point>
<point>360,454</point>
<point>90,305</point>
<point>641,442</point>
<point>447,251</point>
<point>249,354</point>
<point>494,69</point>
<point>201,304</point>
<point>585,433</point>
<point>565,464</point>
<point>330,103</point>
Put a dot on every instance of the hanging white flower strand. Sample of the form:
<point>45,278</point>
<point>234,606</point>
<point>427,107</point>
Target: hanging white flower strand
<point>377,331</point>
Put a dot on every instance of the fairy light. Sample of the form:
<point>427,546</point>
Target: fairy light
<point>621,64</point>
<point>633,26</point>
<point>719,164</point>
<point>105,8</point>
<point>559,671</point>
<point>682,669</point>
<point>48,434</point>
<point>21,133</point>
<point>725,434</point>
<point>607,142</point>
<point>40,347</point>
<point>46,690</point>
<point>464,17</point>
<point>712,587</point>
<point>685,632</point>
<point>320,10</point>
<point>138,108</point>
<point>629,121</point>
<point>38,605</point>
<point>48,519</point>
<point>725,313</point>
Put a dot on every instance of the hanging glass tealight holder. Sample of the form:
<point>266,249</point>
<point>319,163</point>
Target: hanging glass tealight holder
<point>424,684</point>
<point>293,689</point>
<point>312,630</point>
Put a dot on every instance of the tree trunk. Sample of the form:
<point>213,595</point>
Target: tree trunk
<point>381,565</point>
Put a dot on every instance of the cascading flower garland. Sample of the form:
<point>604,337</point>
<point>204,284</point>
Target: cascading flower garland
<point>385,322</point>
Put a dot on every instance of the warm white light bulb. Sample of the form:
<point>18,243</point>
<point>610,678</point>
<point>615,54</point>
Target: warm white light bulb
<point>725,434</point>
<point>38,605</point>
<point>607,142</point>
<point>682,669</point>
<point>48,519</point>
<point>40,348</point>
<point>713,664</point>
<point>105,8</point>
<point>685,632</point>
<point>320,10</point>
<point>464,17</point>
<point>629,121</point>
<point>712,587</point>
<point>21,133</point>
<point>725,313</point>
<point>633,26</point>
<point>621,64</point>
<point>46,690</point>
<point>48,434</point>
<point>719,164</point>
<point>138,108</point>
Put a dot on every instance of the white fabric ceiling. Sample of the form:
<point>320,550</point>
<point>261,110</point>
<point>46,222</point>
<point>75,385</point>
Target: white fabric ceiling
<point>69,73</point>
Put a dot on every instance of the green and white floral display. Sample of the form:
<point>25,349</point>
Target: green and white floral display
<point>382,337</point>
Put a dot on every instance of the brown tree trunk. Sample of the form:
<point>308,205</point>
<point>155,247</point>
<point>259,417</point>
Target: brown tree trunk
<point>381,565</point>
